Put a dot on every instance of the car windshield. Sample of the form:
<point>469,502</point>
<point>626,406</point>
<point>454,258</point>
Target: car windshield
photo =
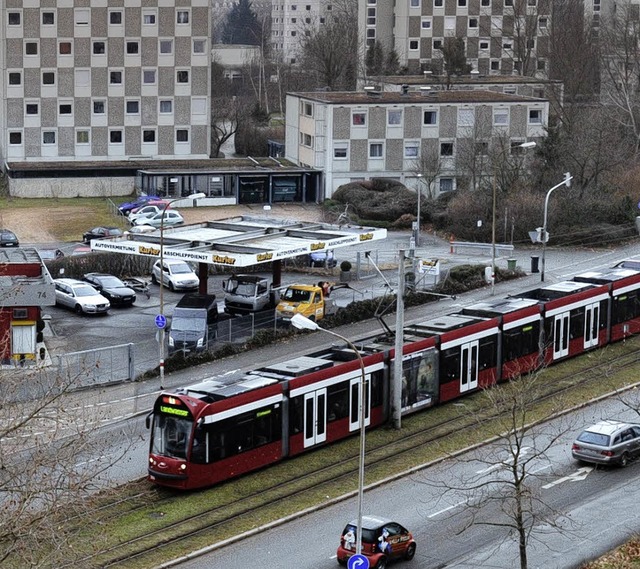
<point>181,269</point>
<point>84,290</point>
<point>170,436</point>
<point>181,324</point>
<point>594,438</point>
<point>296,295</point>
<point>8,235</point>
<point>113,282</point>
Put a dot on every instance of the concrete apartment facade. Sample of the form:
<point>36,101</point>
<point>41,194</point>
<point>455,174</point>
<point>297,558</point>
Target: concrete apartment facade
<point>357,135</point>
<point>291,20</point>
<point>101,81</point>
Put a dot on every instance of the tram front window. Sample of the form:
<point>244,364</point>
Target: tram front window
<point>170,436</point>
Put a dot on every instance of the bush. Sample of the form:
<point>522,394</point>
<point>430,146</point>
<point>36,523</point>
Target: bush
<point>345,266</point>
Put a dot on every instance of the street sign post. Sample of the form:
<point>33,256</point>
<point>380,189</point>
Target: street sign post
<point>161,321</point>
<point>358,561</point>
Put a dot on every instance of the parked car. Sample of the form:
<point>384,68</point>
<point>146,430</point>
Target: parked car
<point>141,229</point>
<point>322,258</point>
<point>112,288</point>
<point>8,238</point>
<point>608,442</point>
<point>146,211</point>
<point>631,263</point>
<point>80,297</point>
<point>171,217</point>
<point>176,274</point>
<point>101,233</point>
<point>50,254</point>
<point>126,207</point>
<point>382,541</point>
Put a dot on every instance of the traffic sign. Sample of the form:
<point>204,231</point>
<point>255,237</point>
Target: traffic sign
<point>161,321</point>
<point>358,561</point>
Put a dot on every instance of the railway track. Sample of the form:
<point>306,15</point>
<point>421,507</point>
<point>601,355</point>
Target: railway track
<point>247,502</point>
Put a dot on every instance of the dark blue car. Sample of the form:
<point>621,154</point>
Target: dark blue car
<point>126,207</point>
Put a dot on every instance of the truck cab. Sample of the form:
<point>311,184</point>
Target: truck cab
<point>309,300</point>
<point>194,323</point>
<point>245,294</point>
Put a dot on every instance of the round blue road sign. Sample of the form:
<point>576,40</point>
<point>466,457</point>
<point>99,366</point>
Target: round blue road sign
<point>161,321</point>
<point>358,561</point>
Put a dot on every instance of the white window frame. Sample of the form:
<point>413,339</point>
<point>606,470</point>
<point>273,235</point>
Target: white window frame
<point>535,116</point>
<point>355,113</point>
<point>409,147</point>
<point>339,147</point>
<point>501,117</point>
<point>376,144</point>
<point>394,112</point>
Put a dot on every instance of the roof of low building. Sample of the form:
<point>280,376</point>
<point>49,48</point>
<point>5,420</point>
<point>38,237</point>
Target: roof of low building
<point>431,79</point>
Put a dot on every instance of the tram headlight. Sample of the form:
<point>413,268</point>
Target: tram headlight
<point>183,467</point>
<point>151,460</point>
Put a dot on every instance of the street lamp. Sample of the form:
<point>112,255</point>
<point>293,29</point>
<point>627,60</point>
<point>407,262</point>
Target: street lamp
<point>493,215</point>
<point>416,237</point>
<point>566,182</point>
<point>161,317</point>
<point>303,323</point>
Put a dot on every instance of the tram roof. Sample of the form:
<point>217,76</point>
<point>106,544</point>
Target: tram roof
<point>240,241</point>
<point>606,275</point>
<point>498,306</point>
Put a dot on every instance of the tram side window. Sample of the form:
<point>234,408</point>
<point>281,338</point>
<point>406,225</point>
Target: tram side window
<point>576,323</point>
<point>377,388</point>
<point>338,401</point>
<point>488,352</point>
<point>450,365</point>
<point>295,415</point>
<point>626,307</point>
<point>519,342</point>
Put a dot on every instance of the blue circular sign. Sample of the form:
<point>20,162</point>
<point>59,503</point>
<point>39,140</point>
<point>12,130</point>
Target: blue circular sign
<point>161,321</point>
<point>358,561</point>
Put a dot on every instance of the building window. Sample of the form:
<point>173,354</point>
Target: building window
<point>535,116</point>
<point>485,2</point>
<point>446,184</point>
<point>99,48</point>
<point>199,105</point>
<point>484,44</point>
<point>83,77</point>
<point>340,152</point>
<point>64,48</point>
<point>49,137</point>
<point>182,135</point>
<point>542,23</point>
<point>359,119</point>
<point>307,109</point>
<point>31,48</point>
<point>394,117</point>
<point>501,117</point>
<point>99,107</point>
<point>15,78</point>
<point>438,3</point>
<point>182,76</point>
<point>508,2</point>
<point>414,45</point>
<point>166,106</point>
<point>14,18</point>
<point>82,137</point>
<point>65,109</point>
<point>149,19</point>
<point>182,17</point>
<point>462,3</point>
<point>115,136</point>
<point>31,109</point>
<point>473,23</point>
<point>48,18</point>
<point>376,150</point>
<point>426,23</point>
<point>82,16</point>
<point>199,46</point>
<point>133,48</point>
<point>15,138</point>
<point>411,150</point>
<point>466,118</point>
<point>166,46</point>
<point>115,77</point>
<point>414,4</point>
<point>437,44</point>
<point>48,78</point>
<point>115,18</point>
<point>495,65</point>
<point>133,107</point>
<point>306,140</point>
<point>446,149</point>
<point>148,136</point>
<point>430,117</point>
<point>149,76</point>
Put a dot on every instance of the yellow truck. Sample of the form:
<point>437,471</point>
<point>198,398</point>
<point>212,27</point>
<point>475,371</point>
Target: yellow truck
<point>309,300</point>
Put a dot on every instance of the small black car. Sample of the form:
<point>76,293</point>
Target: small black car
<point>8,238</point>
<point>101,233</point>
<point>111,288</point>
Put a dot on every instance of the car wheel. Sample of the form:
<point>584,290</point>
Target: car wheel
<point>411,551</point>
<point>78,309</point>
<point>382,563</point>
<point>172,287</point>
<point>624,459</point>
<point>154,280</point>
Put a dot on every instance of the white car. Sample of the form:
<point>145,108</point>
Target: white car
<point>80,297</point>
<point>171,217</point>
<point>138,229</point>
<point>176,274</point>
<point>145,212</point>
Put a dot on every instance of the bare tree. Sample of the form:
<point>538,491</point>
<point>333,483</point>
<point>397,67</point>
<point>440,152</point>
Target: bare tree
<point>429,166</point>
<point>225,117</point>
<point>507,492</point>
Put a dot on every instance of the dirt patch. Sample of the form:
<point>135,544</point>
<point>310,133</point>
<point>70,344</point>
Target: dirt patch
<point>44,224</point>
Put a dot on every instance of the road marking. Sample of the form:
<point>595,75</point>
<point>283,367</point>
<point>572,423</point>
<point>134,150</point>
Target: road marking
<point>502,464</point>
<point>540,469</point>
<point>578,475</point>
<point>446,509</point>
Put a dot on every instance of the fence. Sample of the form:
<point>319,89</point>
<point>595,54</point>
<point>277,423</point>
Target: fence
<point>98,367</point>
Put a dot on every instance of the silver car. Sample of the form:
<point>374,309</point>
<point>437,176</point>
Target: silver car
<point>80,297</point>
<point>608,442</point>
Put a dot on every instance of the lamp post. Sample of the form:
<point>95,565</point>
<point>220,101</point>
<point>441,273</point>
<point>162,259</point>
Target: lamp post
<point>566,182</point>
<point>162,329</point>
<point>416,237</point>
<point>303,323</point>
<point>493,216</point>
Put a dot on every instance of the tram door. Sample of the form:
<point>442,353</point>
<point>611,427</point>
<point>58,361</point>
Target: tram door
<point>561,335</point>
<point>468,366</point>
<point>354,403</point>
<point>315,417</point>
<point>591,321</point>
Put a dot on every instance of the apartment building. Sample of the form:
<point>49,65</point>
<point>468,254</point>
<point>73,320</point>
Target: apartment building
<point>359,135</point>
<point>95,82</point>
<point>501,36</point>
<point>291,21</point>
